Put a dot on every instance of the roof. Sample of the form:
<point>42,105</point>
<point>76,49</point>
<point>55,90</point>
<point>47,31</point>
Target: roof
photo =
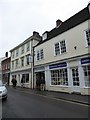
<point>35,36</point>
<point>73,21</point>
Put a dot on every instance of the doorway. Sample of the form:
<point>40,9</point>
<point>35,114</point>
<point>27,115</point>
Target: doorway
<point>75,78</point>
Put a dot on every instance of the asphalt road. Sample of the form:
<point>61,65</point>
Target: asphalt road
<point>22,104</point>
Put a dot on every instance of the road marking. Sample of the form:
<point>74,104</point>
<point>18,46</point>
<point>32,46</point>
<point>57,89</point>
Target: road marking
<point>59,99</point>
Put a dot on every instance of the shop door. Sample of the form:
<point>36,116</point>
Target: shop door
<point>75,78</point>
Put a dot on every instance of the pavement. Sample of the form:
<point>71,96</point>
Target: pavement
<point>73,97</point>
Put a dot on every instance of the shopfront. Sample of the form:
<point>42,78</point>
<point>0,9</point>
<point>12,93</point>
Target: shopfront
<point>71,76</point>
<point>85,62</point>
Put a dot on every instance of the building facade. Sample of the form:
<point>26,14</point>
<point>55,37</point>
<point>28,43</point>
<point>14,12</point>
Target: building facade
<point>63,58</point>
<point>22,61</point>
<point>6,70</point>
<point>1,59</point>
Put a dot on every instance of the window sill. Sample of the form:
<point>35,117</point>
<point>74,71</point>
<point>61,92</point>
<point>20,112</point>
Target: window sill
<point>59,86</point>
<point>86,87</point>
<point>60,54</point>
<point>40,60</point>
<point>26,83</point>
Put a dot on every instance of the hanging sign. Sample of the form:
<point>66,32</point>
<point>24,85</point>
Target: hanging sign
<point>30,59</point>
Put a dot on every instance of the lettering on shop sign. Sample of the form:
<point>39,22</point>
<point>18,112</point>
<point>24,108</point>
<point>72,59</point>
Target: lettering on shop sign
<point>85,60</point>
<point>64,64</point>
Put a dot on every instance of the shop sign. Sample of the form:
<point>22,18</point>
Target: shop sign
<point>85,60</point>
<point>64,64</point>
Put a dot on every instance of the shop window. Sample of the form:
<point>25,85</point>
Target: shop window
<point>87,75</point>
<point>59,77</point>
<point>75,76</point>
<point>25,78</point>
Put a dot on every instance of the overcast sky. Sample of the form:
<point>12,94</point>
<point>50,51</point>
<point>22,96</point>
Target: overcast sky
<point>19,18</point>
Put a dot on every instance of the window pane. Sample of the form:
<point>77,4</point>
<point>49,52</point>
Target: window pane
<point>75,76</point>
<point>57,49</point>
<point>87,75</point>
<point>88,37</point>
<point>59,77</point>
<point>63,46</point>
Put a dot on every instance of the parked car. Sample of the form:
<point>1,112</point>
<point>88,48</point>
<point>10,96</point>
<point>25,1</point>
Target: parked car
<point>3,90</point>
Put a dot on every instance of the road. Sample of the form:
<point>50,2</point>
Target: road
<point>22,104</point>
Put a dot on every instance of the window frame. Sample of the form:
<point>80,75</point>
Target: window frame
<point>60,48</point>
<point>86,45</point>
<point>22,58</point>
<point>58,76</point>
<point>86,73</point>
<point>40,54</point>
<point>12,65</point>
<point>16,63</point>
<point>25,76</point>
<point>28,47</point>
<point>75,77</point>
<point>22,49</point>
<point>27,59</point>
<point>17,52</point>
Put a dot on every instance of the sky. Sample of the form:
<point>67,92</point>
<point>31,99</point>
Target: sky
<point>19,18</point>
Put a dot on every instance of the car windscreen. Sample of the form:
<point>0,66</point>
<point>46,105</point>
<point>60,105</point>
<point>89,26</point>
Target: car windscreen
<point>1,84</point>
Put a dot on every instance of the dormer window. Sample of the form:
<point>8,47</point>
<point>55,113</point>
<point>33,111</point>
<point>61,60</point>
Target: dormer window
<point>44,36</point>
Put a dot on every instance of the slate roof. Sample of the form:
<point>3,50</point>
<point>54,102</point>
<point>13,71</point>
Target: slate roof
<point>73,21</point>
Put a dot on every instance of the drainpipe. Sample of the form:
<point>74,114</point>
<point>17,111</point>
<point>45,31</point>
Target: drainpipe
<point>32,65</point>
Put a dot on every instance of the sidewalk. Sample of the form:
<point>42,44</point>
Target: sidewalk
<point>60,95</point>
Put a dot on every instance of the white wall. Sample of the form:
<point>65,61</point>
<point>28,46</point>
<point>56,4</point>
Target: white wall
<point>73,37</point>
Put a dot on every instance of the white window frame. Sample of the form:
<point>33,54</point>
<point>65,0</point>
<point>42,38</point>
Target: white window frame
<point>60,52</point>
<point>27,59</point>
<point>22,49</point>
<point>60,79</point>
<point>75,77</point>
<point>17,52</point>
<point>24,76</point>
<point>40,54</point>
<point>87,82</point>
<point>59,49</point>
<point>13,54</point>
<point>16,63</point>
<point>22,58</point>
<point>86,37</point>
<point>28,47</point>
<point>12,65</point>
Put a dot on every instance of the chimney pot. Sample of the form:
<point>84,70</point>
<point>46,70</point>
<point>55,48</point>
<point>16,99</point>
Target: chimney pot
<point>58,23</point>
<point>6,54</point>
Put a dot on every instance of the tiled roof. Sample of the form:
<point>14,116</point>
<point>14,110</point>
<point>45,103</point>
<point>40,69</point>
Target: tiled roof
<point>73,21</point>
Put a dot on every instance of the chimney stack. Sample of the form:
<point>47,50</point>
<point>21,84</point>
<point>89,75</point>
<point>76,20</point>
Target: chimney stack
<point>58,23</point>
<point>6,54</point>
<point>36,34</point>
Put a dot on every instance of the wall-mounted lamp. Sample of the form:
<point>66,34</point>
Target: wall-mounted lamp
<point>75,47</point>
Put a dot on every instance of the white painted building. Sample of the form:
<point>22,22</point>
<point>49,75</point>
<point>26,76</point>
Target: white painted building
<point>63,57</point>
<point>22,61</point>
